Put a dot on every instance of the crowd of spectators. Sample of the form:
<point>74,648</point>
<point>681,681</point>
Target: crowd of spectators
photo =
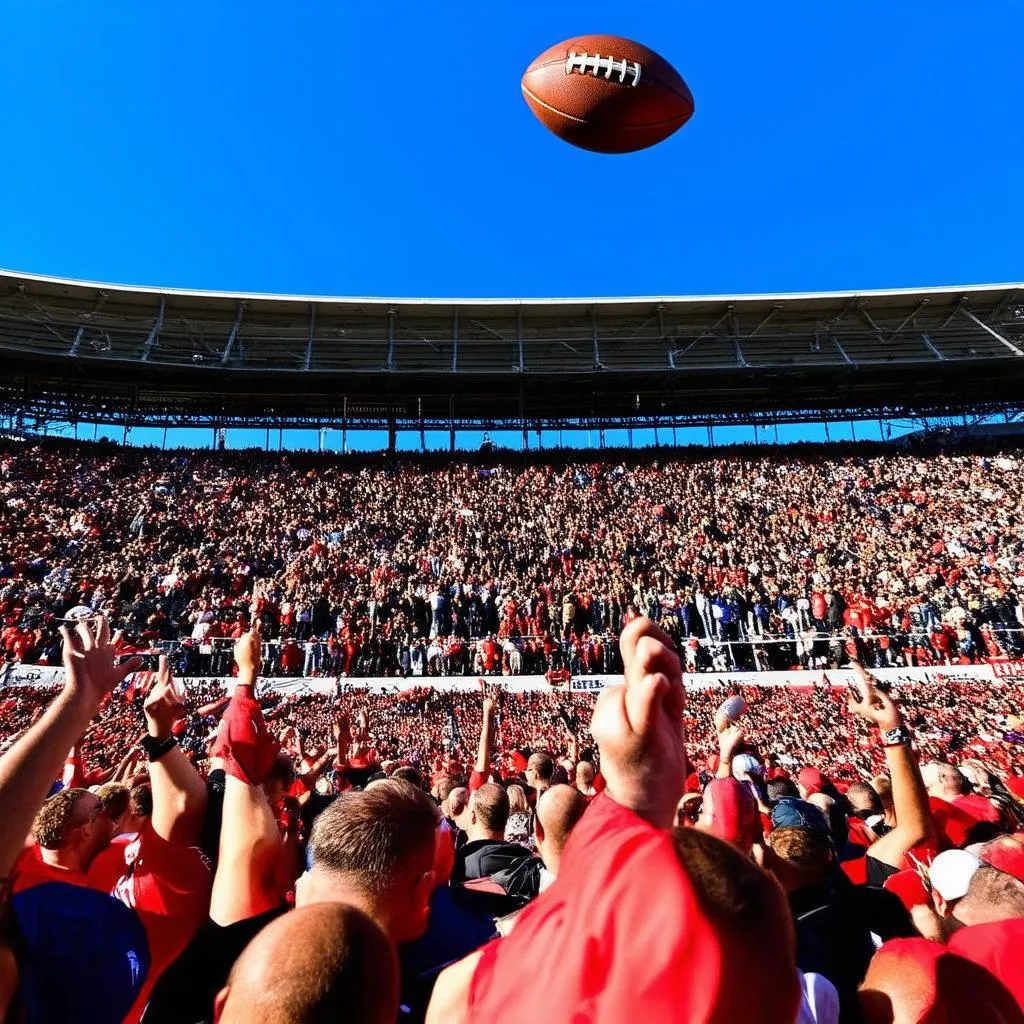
<point>763,559</point>
<point>809,854</point>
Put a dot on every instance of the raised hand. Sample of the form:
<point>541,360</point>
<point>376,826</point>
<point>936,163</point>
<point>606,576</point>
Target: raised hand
<point>730,739</point>
<point>639,729</point>
<point>89,659</point>
<point>163,706</point>
<point>249,653</point>
<point>872,704</point>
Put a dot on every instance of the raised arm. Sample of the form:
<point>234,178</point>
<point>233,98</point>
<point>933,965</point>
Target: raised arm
<point>250,851</point>
<point>638,727</point>
<point>179,794</point>
<point>730,738</point>
<point>909,796</point>
<point>29,768</point>
<point>482,767</point>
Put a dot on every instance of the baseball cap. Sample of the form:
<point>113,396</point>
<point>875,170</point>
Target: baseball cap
<point>789,812</point>
<point>951,872</point>
<point>811,779</point>
<point>745,765</point>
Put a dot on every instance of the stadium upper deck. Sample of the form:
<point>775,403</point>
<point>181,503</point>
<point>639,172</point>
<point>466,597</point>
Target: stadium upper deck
<point>82,351</point>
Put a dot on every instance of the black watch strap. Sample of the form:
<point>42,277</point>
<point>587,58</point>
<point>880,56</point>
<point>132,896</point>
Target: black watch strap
<point>154,749</point>
<point>897,737</point>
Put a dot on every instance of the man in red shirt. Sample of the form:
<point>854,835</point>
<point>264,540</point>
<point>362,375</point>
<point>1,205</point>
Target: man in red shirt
<point>157,875</point>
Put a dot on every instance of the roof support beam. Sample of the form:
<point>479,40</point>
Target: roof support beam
<point>226,354</point>
<point>840,349</point>
<point>868,320</point>
<point>988,330</point>
<point>392,314</point>
<point>521,364</point>
<point>669,342</point>
<point>776,308</point>
<point>155,330</point>
<point>931,348</point>
<point>77,343</point>
<point>907,319</point>
<point>1008,299</point>
<point>853,303</point>
<point>455,340</point>
<point>307,362</point>
<point>596,344</point>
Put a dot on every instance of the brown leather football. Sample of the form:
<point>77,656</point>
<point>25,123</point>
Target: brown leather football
<point>607,94</point>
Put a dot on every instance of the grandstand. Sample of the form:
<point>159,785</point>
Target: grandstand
<point>77,352</point>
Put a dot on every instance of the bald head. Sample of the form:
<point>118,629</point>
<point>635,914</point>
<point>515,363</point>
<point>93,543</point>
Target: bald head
<point>458,800</point>
<point>585,776</point>
<point>863,799</point>
<point>558,810</point>
<point>325,962</point>
<point>943,780</point>
<point>539,770</point>
<point>490,808</point>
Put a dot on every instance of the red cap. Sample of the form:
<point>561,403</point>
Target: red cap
<point>953,823</point>
<point>907,885</point>
<point>734,816</point>
<point>811,779</point>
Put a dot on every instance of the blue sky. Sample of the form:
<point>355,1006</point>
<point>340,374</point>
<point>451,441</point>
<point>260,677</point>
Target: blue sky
<point>369,148</point>
<point>384,149</point>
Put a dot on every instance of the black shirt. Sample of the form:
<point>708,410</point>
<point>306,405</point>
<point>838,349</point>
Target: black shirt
<point>485,857</point>
<point>186,990</point>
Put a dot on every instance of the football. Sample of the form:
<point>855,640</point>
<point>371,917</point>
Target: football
<point>607,94</point>
<point>732,710</point>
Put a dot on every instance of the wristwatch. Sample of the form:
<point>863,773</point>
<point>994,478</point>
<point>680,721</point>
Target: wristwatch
<point>154,749</point>
<point>897,737</point>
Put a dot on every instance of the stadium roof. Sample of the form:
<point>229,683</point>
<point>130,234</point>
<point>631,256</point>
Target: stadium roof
<point>82,351</point>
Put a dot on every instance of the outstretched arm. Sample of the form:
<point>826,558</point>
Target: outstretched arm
<point>482,767</point>
<point>179,794</point>
<point>29,768</point>
<point>249,856</point>
<point>909,796</point>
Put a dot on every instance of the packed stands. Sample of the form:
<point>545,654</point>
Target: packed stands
<point>755,560</point>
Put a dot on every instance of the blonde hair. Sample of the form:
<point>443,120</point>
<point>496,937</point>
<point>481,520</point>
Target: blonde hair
<point>517,802</point>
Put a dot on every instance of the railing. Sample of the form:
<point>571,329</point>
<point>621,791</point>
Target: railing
<point>741,650</point>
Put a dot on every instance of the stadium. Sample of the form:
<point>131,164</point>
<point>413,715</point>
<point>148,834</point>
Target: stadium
<point>445,618</point>
<point>76,352</point>
<point>532,660</point>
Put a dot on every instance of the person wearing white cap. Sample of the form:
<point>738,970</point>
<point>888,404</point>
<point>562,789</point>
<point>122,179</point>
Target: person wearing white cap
<point>949,875</point>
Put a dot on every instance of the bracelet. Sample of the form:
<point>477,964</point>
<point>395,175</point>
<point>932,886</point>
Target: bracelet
<point>154,749</point>
<point>897,737</point>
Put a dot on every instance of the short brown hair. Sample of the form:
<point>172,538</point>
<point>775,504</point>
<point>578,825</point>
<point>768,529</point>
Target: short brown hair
<point>490,804</point>
<point>53,822</point>
<point>377,834</point>
<point>543,764</point>
<point>809,851</point>
<point>142,801</point>
<point>115,799</point>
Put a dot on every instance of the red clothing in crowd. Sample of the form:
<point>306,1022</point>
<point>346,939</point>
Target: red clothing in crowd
<point>620,936</point>
<point>167,884</point>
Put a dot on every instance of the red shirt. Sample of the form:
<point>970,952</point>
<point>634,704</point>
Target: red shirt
<point>30,869</point>
<point>621,954</point>
<point>166,884</point>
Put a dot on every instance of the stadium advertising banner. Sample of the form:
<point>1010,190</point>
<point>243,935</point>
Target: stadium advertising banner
<point>53,675</point>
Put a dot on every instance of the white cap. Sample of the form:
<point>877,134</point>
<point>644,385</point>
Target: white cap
<point>951,873</point>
